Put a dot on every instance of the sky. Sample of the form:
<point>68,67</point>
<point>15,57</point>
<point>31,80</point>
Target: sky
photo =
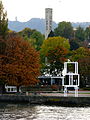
<point>63,10</point>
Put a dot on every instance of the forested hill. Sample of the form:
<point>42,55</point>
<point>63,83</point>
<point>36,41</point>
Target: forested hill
<point>81,24</point>
<point>34,23</point>
<point>38,24</point>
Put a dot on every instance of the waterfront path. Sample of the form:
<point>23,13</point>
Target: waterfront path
<point>70,94</point>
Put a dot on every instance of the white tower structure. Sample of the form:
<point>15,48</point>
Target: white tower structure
<point>71,77</point>
<point>15,18</point>
<point>48,21</point>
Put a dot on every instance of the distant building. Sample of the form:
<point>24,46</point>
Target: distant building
<point>48,21</point>
<point>11,89</point>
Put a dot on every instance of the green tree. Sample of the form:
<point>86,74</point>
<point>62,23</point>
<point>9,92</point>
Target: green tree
<point>64,29</point>
<point>82,55</point>
<point>39,39</point>
<point>3,21</point>
<point>87,37</point>
<point>27,32</point>
<point>80,34</point>
<point>33,36</point>
<point>84,70</point>
<point>87,33</point>
<point>74,44</point>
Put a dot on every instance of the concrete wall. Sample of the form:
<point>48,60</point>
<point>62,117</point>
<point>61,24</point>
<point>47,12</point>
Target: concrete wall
<point>36,99</point>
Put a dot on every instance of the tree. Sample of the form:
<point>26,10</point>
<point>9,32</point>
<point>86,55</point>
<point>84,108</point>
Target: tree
<point>26,32</point>
<point>33,36</point>
<point>87,36</point>
<point>64,29</point>
<point>82,55</point>
<point>80,34</point>
<point>87,33</point>
<point>39,39</point>
<point>53,42</point>
<point>3,21</point>
<point>84,70</point>
<point>74,44</point>
<point>20,63</point>
<point>56,58</point>
<point>51,45</point>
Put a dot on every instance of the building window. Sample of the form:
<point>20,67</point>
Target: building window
<point>8,89</point>
<point>11,89</point>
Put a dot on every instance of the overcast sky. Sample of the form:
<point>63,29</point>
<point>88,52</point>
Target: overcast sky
<point>63,10</point>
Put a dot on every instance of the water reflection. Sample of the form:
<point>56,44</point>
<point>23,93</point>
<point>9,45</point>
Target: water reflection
<point>42,112</point>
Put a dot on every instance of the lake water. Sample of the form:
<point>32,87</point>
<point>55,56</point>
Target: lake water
<point>42,112</point>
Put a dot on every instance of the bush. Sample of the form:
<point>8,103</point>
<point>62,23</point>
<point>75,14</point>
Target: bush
<point>55,87</point>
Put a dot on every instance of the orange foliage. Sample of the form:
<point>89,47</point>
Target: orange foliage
<point>58,54</point>
<point>56,57</point>
<point>19,64</point>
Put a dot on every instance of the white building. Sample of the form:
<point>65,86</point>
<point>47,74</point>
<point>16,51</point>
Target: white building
<point>48,21</point>
<point>11,89</point>
<point>71,77</point>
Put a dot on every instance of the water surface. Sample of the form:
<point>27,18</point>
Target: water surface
<point>42,112</point>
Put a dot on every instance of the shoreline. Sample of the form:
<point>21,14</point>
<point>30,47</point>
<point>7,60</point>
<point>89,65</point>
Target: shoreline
<point>47,100</point>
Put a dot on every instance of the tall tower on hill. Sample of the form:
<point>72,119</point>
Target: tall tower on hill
<point>48,21</point>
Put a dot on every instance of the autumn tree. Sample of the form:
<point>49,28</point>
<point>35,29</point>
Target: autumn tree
<point>3,21</point>
<point>53,42</point>
<point>20,63</point>
<point>56,58</point>
<point>54,49</point>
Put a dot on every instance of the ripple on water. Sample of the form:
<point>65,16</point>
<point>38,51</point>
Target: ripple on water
<point>42,112</point>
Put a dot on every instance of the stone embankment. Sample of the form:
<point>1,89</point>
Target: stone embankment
<point>47,99</point>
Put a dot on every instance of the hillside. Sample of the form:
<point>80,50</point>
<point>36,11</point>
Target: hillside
<point>39,24</point>
<point>34,23</point>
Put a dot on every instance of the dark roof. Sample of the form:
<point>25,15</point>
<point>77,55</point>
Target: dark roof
<point>51,34</point>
